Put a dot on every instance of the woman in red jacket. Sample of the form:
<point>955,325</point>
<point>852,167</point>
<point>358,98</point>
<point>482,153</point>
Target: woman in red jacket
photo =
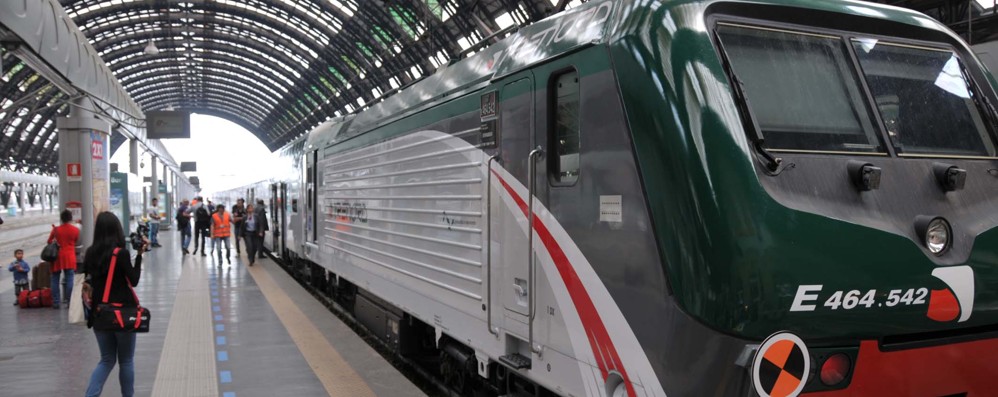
<point>66,235</point>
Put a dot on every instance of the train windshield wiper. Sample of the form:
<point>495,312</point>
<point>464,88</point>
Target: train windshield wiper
<point>772,163</point>
<point>981,100</point>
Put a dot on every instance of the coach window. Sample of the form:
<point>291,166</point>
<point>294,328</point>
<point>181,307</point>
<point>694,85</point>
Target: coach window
<point>802,89</point>
<point>563,163</point>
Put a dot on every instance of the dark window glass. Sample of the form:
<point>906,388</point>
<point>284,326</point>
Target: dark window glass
<point>924,99</point>
<point>564,165</point>
<point>802,89</point>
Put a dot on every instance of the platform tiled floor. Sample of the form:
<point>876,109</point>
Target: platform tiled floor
<point>251,352</point>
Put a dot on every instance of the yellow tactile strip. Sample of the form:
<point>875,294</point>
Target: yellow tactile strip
<point>187,365</point>
<point>335,373</point>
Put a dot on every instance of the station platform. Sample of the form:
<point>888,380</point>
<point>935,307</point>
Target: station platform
<point>217,330</point>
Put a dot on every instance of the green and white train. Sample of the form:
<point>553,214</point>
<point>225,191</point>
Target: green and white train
<point>682,198</point>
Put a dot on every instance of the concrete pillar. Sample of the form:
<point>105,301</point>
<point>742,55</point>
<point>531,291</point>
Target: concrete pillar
<point>23,197</point>
<point>84,149</point>
<point>154,190</point>
<point>133,156</point>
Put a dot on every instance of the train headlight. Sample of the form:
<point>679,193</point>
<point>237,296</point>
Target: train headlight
<point>935,233</point>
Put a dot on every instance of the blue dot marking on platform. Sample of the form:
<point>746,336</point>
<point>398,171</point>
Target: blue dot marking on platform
<point>229,394</point>
<point>214,300</point>
<point>225,376</point>
<point>219,327</point>
<point>223,356</point>
<point>216,308</point>
<point>220,340</point>
<point>214,293</point>
<point>218,317</point>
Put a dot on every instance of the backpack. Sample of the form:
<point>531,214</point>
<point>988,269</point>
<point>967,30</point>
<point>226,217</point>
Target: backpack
<point>202,215</point>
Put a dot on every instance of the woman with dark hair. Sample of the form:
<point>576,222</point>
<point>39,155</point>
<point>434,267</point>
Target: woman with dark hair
<point>119,346</point>
<point>66,235</point>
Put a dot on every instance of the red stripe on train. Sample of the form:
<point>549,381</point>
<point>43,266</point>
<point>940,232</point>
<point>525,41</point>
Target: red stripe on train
<point>599,339</point>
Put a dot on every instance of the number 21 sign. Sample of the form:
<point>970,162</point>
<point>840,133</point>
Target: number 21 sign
<point>97,149</point>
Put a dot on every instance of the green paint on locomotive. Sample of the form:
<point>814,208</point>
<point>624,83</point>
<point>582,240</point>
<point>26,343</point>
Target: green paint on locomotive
<point>734,256</point>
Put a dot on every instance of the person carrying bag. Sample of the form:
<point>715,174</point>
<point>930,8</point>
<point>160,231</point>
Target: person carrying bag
<point>115,314</point>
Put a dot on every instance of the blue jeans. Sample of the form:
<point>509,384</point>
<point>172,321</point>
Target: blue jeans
<point>154,232</point>
<point>114,346</point>
<point>218,241</point>
<point>185,236</point>
<point>67,286</point>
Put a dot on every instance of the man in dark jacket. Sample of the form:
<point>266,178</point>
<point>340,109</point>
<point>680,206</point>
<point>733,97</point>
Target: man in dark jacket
<point>254,229</point>
<point>202,226</point>
<point>238,216</point>
<point>261,215</point>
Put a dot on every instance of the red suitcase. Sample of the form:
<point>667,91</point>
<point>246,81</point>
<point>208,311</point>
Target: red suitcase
<point>22,299</point>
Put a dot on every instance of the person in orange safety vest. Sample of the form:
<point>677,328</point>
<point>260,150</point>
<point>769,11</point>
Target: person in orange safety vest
<point>221,229</point>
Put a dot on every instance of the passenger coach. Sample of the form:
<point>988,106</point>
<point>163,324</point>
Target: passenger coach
<point>682,198</point>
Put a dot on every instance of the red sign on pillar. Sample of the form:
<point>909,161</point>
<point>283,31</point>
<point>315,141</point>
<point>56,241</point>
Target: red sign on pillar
<point>74,172</point>
<point>97,149</point>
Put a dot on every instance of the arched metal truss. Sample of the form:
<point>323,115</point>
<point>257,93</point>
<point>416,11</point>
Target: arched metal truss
<point>281,67</point>
<point>276,67</point>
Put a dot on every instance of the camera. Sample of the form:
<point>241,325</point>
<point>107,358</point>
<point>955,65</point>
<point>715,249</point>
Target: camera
<point>136,237</point>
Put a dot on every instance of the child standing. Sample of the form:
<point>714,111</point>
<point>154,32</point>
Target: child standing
<point>20,269</point>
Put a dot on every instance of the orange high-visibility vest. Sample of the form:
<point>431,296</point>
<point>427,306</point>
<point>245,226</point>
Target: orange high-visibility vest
<point>220,227</point>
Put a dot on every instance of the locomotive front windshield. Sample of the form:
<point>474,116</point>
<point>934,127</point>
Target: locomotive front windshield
<point>806,93</point>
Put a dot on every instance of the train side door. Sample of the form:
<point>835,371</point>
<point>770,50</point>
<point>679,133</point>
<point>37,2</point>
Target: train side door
<point>275,220</point>
<point>283,209</point>
<point>311,236</point>
<point>512,281</point>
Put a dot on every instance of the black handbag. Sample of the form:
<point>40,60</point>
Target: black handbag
<point>51,252</point>
<point>116,317</point>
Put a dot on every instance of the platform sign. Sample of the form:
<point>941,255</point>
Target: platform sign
<point>168,125</point>
<point>74,172</point>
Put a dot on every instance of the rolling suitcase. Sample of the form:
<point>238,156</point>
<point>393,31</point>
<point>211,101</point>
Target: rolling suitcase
<point>41,276</point>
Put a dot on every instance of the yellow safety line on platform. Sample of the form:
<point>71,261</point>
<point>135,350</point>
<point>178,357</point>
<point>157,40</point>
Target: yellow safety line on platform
<point>335,373</point>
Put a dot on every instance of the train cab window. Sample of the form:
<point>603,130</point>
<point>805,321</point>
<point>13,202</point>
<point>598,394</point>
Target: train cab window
<point>563,164</point>
<point>802,89</point>
<point>925,99</point>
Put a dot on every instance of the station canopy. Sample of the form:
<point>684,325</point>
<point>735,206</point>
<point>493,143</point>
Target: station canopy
<point>281,67</point>
<point>276,67</point>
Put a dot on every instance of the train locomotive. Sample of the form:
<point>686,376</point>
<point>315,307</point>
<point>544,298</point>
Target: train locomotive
<point>683,198</point>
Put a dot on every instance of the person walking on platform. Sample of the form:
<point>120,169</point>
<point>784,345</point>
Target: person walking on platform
<point>114,346</point>
<point>221,229</point>
<point>252,231</point>
<point>20,268</point>
<point>154,219</point>
<point>65,265</point>
<point>184,225</point>
<point>238,218</point>
<point>202,226</point>
<point>261,215</point>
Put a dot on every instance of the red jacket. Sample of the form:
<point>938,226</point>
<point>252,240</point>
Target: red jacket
<point>66,235</point>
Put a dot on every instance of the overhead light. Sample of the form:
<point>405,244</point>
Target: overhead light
<point>151,48</point>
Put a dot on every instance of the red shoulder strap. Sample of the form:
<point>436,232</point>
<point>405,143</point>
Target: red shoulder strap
<point>110,275</point>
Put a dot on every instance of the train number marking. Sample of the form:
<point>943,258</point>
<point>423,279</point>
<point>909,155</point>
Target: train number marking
<point>808,296</point>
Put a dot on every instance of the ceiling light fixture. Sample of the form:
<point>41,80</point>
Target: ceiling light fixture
<point>151,48</point>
